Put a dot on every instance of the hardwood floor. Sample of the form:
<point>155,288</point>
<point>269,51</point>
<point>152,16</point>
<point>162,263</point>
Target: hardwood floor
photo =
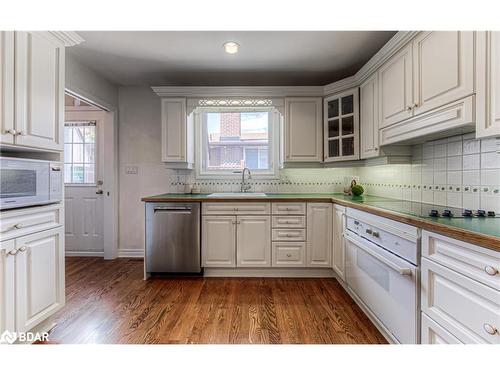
<point>109,302</point>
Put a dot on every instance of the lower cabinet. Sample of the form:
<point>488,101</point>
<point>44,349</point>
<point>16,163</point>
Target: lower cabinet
<point>319,234</point>
<point>338,260</point>
<point>289,254</point>
<point>433,333</point>
<point>218,238</point>
<point>253,241</point>
<point>31,279</point>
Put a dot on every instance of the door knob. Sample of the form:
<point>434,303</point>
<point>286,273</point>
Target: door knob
<point>99,191</point>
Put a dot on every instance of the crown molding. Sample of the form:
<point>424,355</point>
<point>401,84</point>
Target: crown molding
<point>68,38</point>
<point>238,91</point>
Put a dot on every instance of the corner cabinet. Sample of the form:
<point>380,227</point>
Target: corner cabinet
<point>319,234</point>
<point>303,130</point>
<point>341,126</point>
<point>488,84</point>
<point>177,139</point>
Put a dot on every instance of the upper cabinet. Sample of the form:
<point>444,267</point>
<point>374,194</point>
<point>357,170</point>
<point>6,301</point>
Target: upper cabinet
<point>177,138</point>
<point>369,117</point>
<point>341,126</point>
<point>32,97</point>
<point>488,84</point>
<point>303,130</point>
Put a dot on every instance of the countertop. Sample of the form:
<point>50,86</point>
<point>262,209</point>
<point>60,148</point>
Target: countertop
<point>479,231</point>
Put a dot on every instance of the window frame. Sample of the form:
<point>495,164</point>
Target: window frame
<point>96,150</point>
<point>202,147</point>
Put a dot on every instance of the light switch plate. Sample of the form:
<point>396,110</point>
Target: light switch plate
<point>131,169</point>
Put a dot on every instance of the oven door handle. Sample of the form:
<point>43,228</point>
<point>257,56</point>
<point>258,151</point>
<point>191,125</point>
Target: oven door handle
<point>388,263</point>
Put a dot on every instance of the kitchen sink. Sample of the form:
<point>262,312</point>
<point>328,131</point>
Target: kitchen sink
<point>237,195</point>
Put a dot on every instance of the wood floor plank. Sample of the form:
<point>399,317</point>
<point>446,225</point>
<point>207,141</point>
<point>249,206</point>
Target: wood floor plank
<point>109,302</point>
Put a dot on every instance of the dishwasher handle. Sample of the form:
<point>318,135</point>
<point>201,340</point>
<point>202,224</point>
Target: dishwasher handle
<point>180,209</point>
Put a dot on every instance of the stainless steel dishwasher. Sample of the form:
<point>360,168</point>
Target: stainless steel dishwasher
<point>172,238</point>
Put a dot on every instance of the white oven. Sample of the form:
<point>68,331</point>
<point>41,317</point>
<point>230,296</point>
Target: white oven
<point>29,182</point>
<point>382,272</point>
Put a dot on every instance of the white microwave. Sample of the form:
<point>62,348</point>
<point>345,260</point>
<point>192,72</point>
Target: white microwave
<point>29,182</point>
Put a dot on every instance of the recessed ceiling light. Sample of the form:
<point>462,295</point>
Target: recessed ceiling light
<point>231,47</point>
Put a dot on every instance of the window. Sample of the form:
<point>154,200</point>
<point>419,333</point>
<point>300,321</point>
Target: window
<point>237,138</point>
<point>79,152</point>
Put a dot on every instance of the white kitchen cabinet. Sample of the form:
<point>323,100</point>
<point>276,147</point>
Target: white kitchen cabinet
<point>253,239</point>
<point>39,277</point>
<point>319,234</point>
<point>443,67</point>
<point>218,239</point>
<point>488,84</point>
<point>289,254</point>
<point>395,87</point>
<point>338,261</point>
<point>7,286</point>
<point>303,130</point>
<point>39,90</point>
<point>7,128</point>
<point>369,117</point>
<point>177,138</point>
<point>433,333</point>
<point>341,126</point>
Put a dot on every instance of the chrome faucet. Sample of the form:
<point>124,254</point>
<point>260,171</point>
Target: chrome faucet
<point>245,185</point>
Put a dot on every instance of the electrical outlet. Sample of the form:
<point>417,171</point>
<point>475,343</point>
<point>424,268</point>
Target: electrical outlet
<point>131,169</point>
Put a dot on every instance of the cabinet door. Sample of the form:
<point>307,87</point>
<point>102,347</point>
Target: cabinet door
<point>7,128</point>
<point>395,88</point>
<point>39,277</point>
<point>173,130</point>
<point>319,234</point>
<point>303,130</point>
<point>488,84</point>
<point>218,241</point>
<point>369,117</point>
<point>443,65</point>
<point>39,82</point>
<point>341,113</point>
<point>253,241</point>
<point>7,287</point>
<point>433,333</point>
<point>338,261</point>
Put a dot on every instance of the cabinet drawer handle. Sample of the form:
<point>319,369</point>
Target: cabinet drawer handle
<point>369,231</point>
<point>18,226</point>
<point>492,271</point>
<point>376,234</point>
<point>491,330</point>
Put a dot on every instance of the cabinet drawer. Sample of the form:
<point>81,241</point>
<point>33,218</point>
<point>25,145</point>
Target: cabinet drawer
<point>466,308</point>
<point>289,234</point>
<point>25,221</point>
<point>481,264</point>
<point>231,208</point>
<point>289,221</point>
<point>289,254</point>
<point>433,333</point>
<point>289,208</point>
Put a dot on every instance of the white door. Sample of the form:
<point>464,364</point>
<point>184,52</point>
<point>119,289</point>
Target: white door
<point>7,286</point>
<point>395,87</point>
<point>39,277</point>
<point>83,166</point>
<point>369,117</point>
<point>7,128</point>
<point>218,241</point>
<point>338,261</point>
<point>39,82</point>
<point>443,63</point>
<point>253,241</point>
<point>319,234</point>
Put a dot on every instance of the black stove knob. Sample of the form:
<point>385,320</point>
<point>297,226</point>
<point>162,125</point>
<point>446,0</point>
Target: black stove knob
<point>491,213</point>
<point>447,213</point>
<point>467,213</point>
<point>481,213</point>
<point>434,213</point>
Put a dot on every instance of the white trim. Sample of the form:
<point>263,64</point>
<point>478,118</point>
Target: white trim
<point>241,91</point>
<point>68,38</point>
<point>269,272</point>
<point>130,253</point>
<point>77,253</point>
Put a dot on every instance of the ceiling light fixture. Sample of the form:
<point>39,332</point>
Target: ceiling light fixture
<point>231,47</point>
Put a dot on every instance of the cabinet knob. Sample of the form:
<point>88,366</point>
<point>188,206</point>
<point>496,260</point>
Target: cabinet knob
<point>18,226</point>
<point>11,131</point>
<point>492,271</point>
<point>369,231</point>
<point>376,234</point>
<point>415,105</point>
<point>409,108</point>
<point>289,255</point>
<point>12,252</point>
<point>491,330</point>
<point>21,132</point>
<point>22,249</point>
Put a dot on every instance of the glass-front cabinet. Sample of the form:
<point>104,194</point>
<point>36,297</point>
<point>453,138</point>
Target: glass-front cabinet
<point>341,117</point>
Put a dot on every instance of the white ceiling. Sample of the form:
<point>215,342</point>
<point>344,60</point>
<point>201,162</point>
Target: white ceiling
<point>197,58</point>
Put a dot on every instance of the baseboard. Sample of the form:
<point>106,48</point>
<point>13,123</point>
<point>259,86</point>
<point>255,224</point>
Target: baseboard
<point>269,272</point>
<point>77,253</point>
<point>130,253</point>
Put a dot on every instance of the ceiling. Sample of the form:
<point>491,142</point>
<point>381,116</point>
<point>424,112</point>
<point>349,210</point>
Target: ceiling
<point>197,58</point>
